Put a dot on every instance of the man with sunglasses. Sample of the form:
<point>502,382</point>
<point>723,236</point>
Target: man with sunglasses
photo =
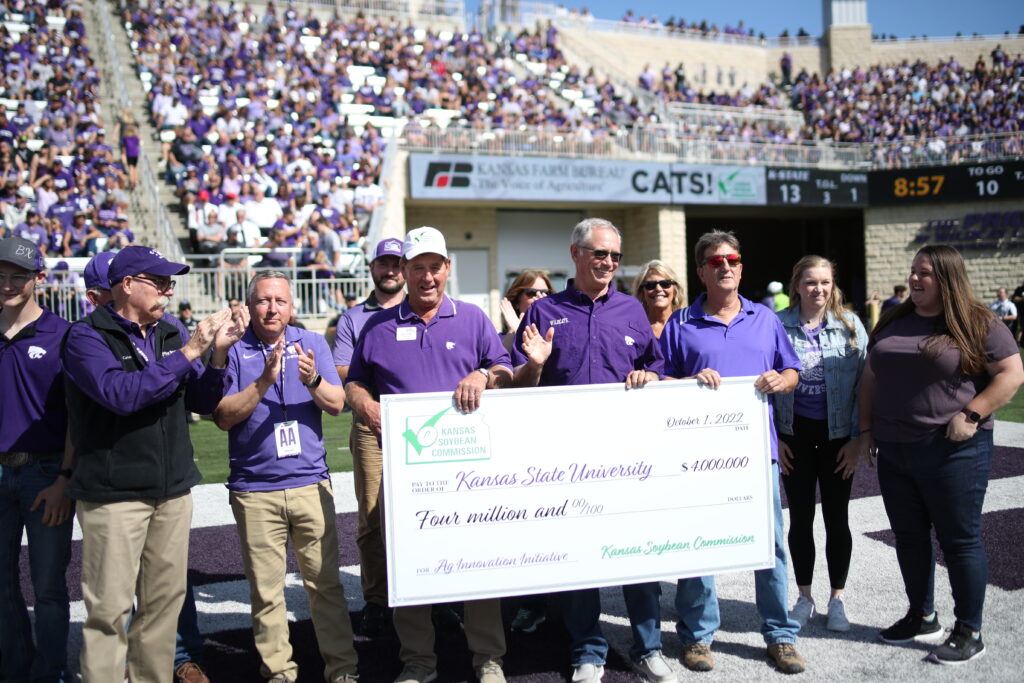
<point>591,333</point>
<point>34,471</point>
<point>131,378</point>
<point>723,334</point>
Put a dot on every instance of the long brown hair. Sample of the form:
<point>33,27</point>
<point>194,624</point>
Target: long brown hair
<point>834,305</point>
<point>964,322</point>
<point>525,281</point>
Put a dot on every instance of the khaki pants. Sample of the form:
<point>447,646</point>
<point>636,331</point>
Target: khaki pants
<point>485,633</point>
<point>266,520</point>
<point>133,548</point>
<point>367,470</point>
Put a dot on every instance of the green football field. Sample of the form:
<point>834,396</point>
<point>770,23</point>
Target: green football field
<point>211,447</point>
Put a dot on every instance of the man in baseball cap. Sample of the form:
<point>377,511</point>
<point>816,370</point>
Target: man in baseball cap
<point>35,470</point>
<point>367,460</point>
<point>132,378</point>
<point>391,358</point>
<point>97,279</point>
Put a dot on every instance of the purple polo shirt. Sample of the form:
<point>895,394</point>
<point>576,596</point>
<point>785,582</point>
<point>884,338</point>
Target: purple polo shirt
<point>752,344</point>
<point>252,448</point>
<point>595,342</point>
<point>433,356</point>
<point>33,415</point>
<point>350,326</point>
<point>90,364</point>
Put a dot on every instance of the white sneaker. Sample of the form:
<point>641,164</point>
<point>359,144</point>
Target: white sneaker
<point>656,670</point>
<point>837,620</point>
<point>802,611</point>
<point>588,673</point>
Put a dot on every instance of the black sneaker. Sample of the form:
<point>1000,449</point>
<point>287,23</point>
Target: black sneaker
<point>913,627</point>
<point>528,619</point>
<point>960,647</point>
<point>375,620</point>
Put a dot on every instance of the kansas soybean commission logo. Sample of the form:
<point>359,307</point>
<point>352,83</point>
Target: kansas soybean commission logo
<point>447,436</point>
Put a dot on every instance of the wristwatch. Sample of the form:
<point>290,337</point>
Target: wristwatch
<point>485,371</point>
<point>316,382</point>
<point>66,473</point>
<point>972,417</point>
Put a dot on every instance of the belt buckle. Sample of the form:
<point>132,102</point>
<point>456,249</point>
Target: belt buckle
<point>14,459</point>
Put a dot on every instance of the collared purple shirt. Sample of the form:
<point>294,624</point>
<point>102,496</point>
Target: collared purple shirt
<point>92,366</point>
<point>753,343</point>
<point>595,342</point>
<point>350,326</point>
<point>397,353</point>
<point>252,447</point>
<point>33,415</point>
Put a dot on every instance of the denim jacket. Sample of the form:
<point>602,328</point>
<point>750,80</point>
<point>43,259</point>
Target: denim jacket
<point>844,362</point>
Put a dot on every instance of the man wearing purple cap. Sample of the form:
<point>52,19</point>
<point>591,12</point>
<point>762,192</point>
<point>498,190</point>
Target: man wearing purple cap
<point>97,281</point>
<point>367,461</point>
<point>131,377</point>
<point>34,471</point>
<point>282,381</point>
<point>429,342</point>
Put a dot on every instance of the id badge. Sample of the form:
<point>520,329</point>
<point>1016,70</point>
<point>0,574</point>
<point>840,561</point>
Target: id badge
<point>286,436</point>
<point>405,334</point>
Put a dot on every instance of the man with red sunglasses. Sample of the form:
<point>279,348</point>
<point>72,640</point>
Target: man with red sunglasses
<point>723,334</point>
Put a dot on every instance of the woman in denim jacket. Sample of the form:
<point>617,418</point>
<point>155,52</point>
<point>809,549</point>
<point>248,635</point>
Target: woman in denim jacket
<point>814,423</point>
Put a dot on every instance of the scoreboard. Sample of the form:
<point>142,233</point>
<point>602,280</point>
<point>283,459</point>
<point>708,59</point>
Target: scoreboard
<point>932,185</point>
<point>812,187</point>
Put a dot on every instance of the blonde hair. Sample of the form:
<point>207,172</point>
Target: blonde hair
<point>835,304</point>
<point>662,268</point>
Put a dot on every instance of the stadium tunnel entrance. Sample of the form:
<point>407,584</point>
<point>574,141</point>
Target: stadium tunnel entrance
<point>772,243</point>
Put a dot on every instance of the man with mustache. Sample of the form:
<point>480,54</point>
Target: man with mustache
<point>130,381</point>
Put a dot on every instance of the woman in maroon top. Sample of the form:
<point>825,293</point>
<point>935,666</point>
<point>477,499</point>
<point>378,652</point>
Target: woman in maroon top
<point>939,365</point>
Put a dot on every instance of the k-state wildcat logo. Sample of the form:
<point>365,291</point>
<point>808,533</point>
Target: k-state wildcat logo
<point>36,352</point>
<point>448,174</point>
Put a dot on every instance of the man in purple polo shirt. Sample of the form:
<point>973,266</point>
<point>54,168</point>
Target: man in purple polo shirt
<point>34,471</point>
<point>282,381</point>
<point>131,377</point>
<point>590,333</point>
<point>429,342</point>
<point>723,334</point>
<point>367,460</point>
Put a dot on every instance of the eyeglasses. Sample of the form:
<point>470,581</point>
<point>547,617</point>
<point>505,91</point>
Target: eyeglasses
<point>653,284</point>
<point>16,281</point>
<point>602,254</point>
<point>533,293</point>
<point>717,260</point>
<point>161,285</point>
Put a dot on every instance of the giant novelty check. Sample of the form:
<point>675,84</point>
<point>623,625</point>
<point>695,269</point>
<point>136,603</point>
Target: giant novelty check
<point>559,488</point>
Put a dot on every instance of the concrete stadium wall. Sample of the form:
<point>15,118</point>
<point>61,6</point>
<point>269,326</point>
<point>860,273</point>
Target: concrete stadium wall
<point>891,233</point>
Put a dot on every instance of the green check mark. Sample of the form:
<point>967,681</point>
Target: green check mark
<point>413,437</point>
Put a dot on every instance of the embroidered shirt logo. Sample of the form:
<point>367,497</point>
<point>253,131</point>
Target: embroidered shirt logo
<point>449,345</point>
<point>36,352</point>
<point>560,321</point>
<point>630,341</point>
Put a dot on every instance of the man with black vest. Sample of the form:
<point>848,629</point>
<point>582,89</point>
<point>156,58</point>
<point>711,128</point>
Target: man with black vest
<point>131,381</point>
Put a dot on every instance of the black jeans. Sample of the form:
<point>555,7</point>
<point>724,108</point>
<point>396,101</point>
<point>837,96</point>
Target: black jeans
<point>815,458</point>
<point>941,484</point>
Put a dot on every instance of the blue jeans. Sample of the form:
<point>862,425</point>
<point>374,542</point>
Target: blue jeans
<point>939,483</point>
<point>49,551</point>
<point>581,612</point>
<point>189,640</point>
<point>697,601</point>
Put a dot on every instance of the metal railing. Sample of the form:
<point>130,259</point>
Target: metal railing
<point>994,37</point>
<point>447,10</point>
<point>708,114</point>
<point>666,142</point>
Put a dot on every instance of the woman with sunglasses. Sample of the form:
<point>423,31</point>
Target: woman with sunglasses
<point>814,423</point>
<point>939,365</point>
<point>524,290</point>
<point>657,288</point>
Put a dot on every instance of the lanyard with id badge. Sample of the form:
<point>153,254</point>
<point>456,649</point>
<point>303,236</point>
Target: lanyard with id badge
<point>286,433</point>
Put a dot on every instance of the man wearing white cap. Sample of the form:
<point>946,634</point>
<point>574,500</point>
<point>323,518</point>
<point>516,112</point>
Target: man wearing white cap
<point>429,342</point>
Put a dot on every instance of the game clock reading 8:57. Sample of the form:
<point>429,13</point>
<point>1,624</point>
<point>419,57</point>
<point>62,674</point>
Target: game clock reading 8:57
<point>997,180</point>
